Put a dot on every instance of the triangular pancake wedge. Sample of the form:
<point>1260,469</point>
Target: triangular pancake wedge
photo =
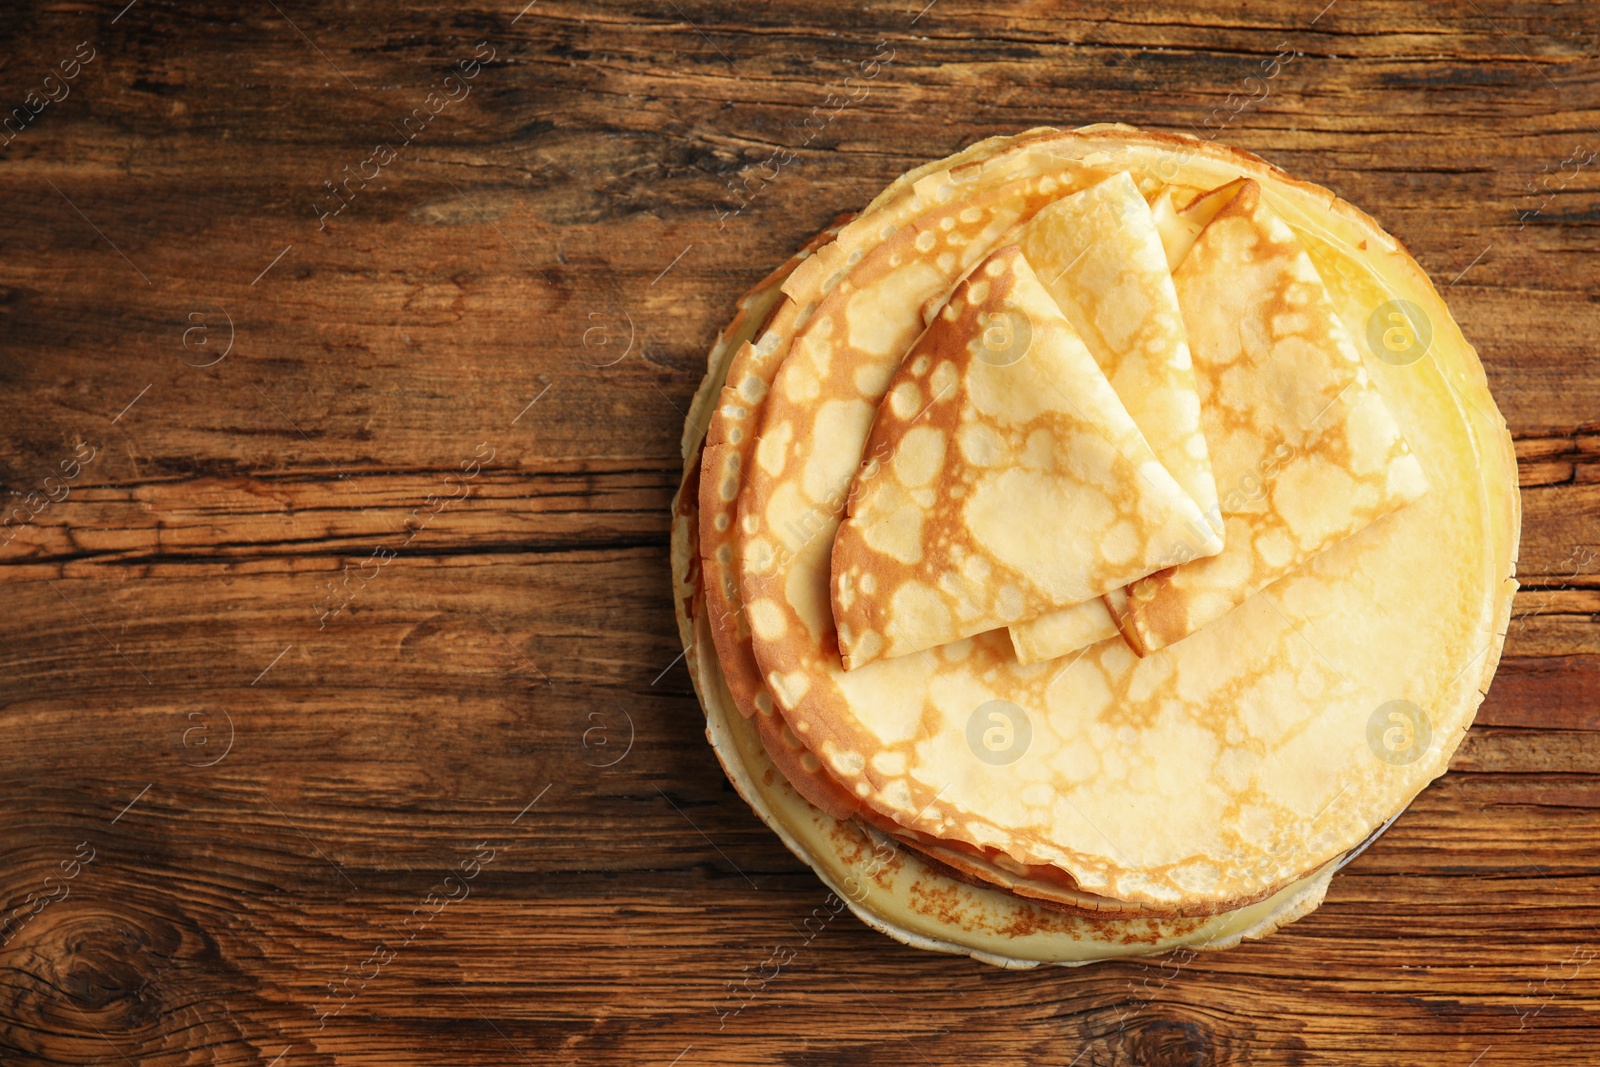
<point>1101,256</point>
<point>1003,478</point>
<point>1304,449</point>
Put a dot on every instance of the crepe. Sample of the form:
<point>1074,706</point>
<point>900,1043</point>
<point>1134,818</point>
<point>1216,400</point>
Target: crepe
<point>1159,780</point>
<point>1103,259</point>
<point>1235,765</point>
<point>1301,438</point>
<point>921,240</point>
<point>890,887</point>
<point>1003,479</point>
<point>1061,633</point>
<point>918,248</point>
<point>894,889</point>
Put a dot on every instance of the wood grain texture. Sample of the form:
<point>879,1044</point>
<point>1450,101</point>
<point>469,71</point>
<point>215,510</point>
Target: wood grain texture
<point>452,411</point>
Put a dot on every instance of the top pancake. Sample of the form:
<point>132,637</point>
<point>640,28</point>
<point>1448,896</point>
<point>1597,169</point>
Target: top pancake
<point>1100,255</point>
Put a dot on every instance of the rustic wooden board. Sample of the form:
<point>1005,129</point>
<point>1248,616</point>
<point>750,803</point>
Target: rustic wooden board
<point>235,795</point>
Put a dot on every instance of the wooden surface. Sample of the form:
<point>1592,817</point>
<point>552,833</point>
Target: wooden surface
<point>470,817</point>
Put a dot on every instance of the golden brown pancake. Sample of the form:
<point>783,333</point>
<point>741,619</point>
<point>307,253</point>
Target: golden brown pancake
<point>1105,260</point>
<point>1003,479</point>
<point>1162,780</point>
<point>1304,447</point>
<point>892,246</point>
<point>1238,762</point>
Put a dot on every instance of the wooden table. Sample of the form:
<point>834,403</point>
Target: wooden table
<point>341,719</point>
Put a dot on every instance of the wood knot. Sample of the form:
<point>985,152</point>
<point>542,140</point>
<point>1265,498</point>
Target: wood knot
<point>113,965</point>
<point>1169,1043</point>
<point>94,971</point>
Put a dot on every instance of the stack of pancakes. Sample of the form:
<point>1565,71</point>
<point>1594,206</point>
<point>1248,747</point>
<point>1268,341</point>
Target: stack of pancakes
<point>1086,549</point>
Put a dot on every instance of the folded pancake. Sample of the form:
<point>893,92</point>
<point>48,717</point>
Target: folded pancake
<point>1004,479</point>
<point>1303,445</point>
<point>1102,257</point>
<point>917,239</point>
<point>1284,746</point>
<point>1063,632</point>
<point>890,887</point>
<point>1219,768</point>
<point>909,898</point>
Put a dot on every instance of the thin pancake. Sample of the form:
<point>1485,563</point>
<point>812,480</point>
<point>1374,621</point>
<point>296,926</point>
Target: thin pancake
<point>891,889</point>
<point>907,238</point>
<point>1063,632</point>
<point>1101,257</point>
<point>1005,479</point>
<point>1104,258</point>
<point>1163,780</point>
<point>1301,439</point>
